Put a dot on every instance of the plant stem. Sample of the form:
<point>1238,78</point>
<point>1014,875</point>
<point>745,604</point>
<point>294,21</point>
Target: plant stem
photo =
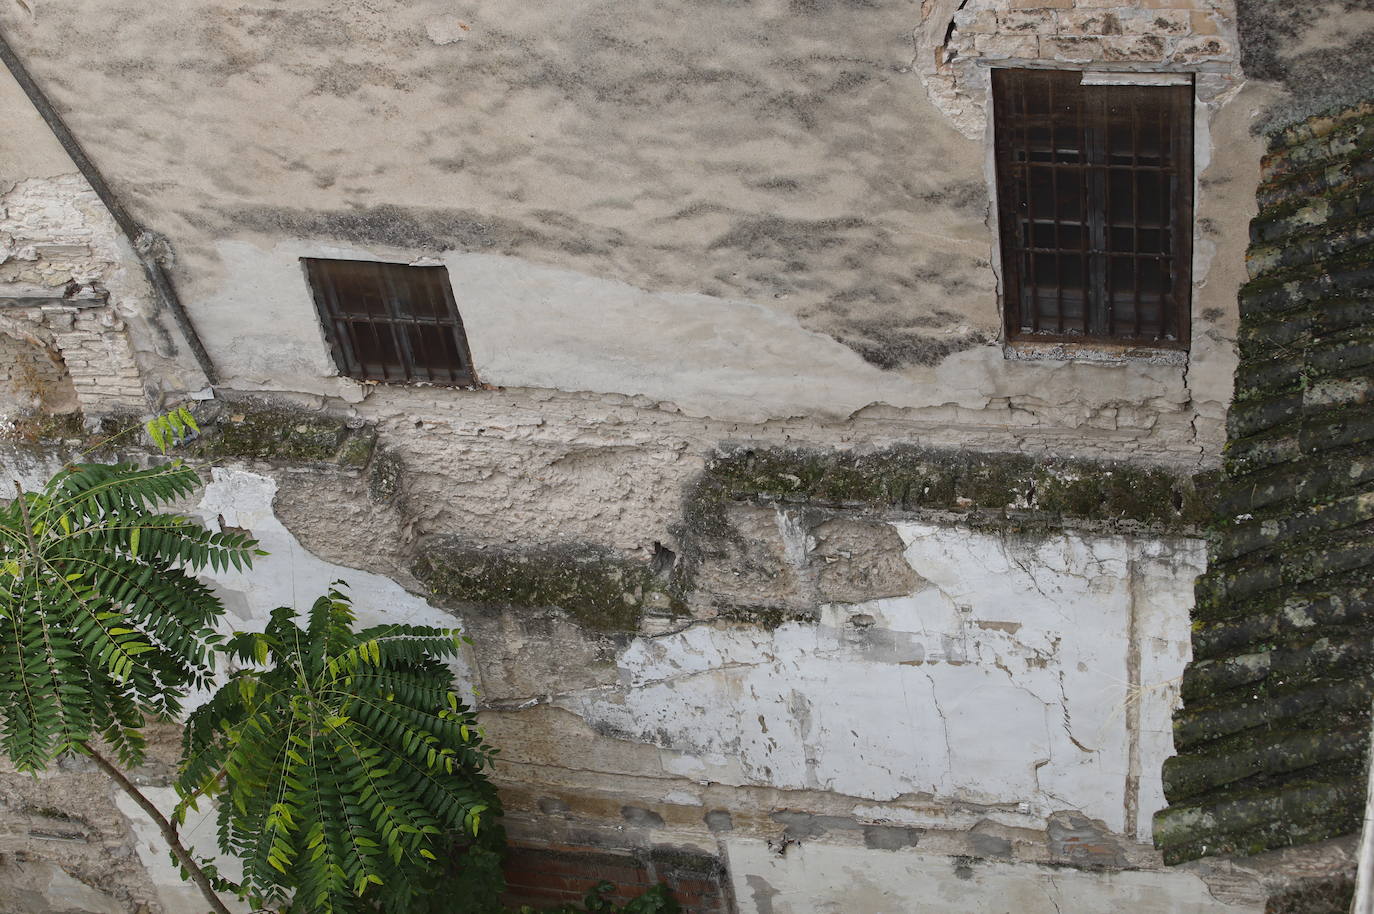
<point>24,512</point>
<point>169,831</point>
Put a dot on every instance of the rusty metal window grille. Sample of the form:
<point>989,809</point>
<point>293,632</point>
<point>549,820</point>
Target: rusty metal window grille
<point>391,322</point>
<point>1095,197</point>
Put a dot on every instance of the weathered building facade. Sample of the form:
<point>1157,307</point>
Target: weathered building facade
<point>799,573</point>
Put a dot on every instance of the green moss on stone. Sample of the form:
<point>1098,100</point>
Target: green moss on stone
<point>277,433</point>
<point>601,591</point>
<point>384,479</point>
<point>1314,896</point>
<point>1024,490</point>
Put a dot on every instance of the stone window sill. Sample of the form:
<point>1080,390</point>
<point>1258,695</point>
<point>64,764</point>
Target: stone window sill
<point>1029,351</point>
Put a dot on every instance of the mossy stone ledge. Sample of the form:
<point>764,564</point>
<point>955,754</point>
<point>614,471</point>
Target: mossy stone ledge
<point>1003,490</point>
<point>255,431</point>
<point>599,590</point>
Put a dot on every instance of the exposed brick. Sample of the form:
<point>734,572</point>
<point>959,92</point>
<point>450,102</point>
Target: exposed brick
<point>1133,47</point>
<point>1090,22</point>
<point>1071,49</point>
<point>1161,22</point>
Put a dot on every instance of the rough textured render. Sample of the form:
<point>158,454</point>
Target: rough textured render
<point>847,880</point>
<point>1308,49</point>
<point>781,569</point>
<point>742,213</point>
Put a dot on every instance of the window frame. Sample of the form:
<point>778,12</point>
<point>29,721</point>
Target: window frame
<point>339,324</point>
<point>1095,164</point>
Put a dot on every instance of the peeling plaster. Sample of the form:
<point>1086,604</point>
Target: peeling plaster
<point>939,693</point>
<point>291,575</point>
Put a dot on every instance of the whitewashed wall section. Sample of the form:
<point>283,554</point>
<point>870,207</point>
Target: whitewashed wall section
<point>1032,673</point>
<point>1037,674</point>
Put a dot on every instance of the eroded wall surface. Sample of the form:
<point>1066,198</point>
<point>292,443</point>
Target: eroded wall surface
<point>933,662</point>
<point>739,212</point>
<point>771,554</point>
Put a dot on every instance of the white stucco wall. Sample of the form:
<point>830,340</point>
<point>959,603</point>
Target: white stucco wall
<point>816,879</point>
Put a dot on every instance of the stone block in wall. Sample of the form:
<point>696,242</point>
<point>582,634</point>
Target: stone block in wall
<point>1070,49</point>
<point>855,561</point>
<point>754,570</point>
<point>1202,47</point>
<point>1090,22</point>
<point>1165,22</point>
<point>1026,22</point>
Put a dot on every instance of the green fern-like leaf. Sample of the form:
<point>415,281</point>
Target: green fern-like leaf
<point>171,428</point>
<point>101,618</point>
<point>346,761</point>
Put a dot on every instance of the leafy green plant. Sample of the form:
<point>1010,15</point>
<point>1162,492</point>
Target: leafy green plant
<point>171,428</point>
<point>101,618</point>
<point>345,758</point>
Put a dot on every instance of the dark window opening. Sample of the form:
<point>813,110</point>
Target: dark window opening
<point>1095,199</point>
<point>391,322</point>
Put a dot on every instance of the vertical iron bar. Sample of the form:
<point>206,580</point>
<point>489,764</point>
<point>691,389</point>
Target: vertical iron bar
<point>1029,234</point>
<point>1094,308</point>
<point>423,364</point>
<point>1136,101</point>
<point>391,302</point>
<point>1054,192</point>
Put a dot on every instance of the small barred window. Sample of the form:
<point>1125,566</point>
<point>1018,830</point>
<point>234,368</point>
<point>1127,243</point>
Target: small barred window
<point>391,322</point>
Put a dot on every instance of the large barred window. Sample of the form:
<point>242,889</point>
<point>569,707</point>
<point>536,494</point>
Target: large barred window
<point>1095,191</point>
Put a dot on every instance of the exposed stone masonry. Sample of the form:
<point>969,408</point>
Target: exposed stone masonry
<point>1197,36</point>
<point>87,353</point>
<point>58,258</point>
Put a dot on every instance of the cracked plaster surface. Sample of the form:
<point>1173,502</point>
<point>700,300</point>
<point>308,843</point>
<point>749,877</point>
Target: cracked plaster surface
<point>1002,679</point>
